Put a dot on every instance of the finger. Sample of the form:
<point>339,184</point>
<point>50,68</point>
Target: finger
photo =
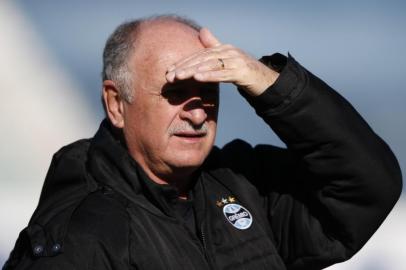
<point>201,60</point>
<point>208,39</point>
<point>218,64</point>
<point>222,52</point>
<point>199,56</point>
<point>215,76</point>
<point>232,64</point>
<point>170,76</point>
<point>189,71</point>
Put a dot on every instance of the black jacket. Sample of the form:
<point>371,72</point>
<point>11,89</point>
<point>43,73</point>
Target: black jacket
<point>305,207</point>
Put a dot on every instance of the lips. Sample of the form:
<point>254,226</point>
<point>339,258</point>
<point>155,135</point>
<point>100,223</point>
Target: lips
<point>187,134</point>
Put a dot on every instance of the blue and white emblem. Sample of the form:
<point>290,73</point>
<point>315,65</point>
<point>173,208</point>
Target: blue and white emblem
<point>238,216</point>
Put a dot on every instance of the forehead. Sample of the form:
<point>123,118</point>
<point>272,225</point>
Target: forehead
<point>162,43</point>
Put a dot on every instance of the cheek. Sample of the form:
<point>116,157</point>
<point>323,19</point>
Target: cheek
<point>157,119</point>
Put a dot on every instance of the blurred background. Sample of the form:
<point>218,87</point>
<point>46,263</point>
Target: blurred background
<point>50,54</point>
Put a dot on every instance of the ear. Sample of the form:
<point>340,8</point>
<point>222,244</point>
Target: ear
<point>113,103</point>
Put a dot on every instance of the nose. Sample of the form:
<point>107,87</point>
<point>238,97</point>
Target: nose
<point>194,112</point>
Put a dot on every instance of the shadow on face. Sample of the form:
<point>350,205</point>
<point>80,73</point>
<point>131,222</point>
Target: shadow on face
<point>181,91</point>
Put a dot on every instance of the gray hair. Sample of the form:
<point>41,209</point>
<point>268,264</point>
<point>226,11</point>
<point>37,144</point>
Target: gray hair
<point>118,50</point>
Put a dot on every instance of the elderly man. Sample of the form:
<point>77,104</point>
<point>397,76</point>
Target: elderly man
<point>149,190</point>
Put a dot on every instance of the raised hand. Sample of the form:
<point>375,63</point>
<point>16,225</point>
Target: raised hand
<point>223,63</point>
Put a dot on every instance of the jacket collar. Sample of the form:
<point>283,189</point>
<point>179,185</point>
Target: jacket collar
<point>111,165</point>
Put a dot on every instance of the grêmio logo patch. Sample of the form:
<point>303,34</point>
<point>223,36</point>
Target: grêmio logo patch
<point>238,216</point>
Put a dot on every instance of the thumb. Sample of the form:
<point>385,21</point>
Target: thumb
<point>208,39</point>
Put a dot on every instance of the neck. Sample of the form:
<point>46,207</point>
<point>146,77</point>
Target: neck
<point>183,179</point>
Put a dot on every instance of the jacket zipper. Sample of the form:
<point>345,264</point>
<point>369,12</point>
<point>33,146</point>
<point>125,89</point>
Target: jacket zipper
<point>206,254</point>
<point>203,237</point>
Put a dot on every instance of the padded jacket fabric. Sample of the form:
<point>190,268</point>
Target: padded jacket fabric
<point>311,205</point>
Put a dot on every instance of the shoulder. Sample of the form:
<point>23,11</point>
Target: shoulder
<point>98,230</point>
<point>102,215</point>
<point>91,231</point>
<point>77,149</point>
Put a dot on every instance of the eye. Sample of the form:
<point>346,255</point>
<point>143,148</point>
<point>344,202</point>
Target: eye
<point>175,95</point>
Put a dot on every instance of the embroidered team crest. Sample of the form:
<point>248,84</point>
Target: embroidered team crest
<point>236,214</point>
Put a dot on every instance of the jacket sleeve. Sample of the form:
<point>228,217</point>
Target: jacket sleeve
<point>340,180</point>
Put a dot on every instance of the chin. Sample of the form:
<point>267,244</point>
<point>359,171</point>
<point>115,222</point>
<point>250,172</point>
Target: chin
<point>188,161</point>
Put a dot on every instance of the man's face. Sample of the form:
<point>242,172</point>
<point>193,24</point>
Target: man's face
<point>169,128</point>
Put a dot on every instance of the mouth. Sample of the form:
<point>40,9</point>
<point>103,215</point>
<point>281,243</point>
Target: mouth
<point>193,136</point>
